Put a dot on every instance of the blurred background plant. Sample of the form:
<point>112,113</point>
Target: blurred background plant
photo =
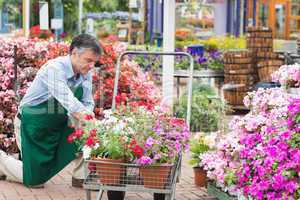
<point>207,109</point>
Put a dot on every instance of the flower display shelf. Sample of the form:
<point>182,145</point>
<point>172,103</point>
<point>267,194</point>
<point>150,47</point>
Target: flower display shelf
<point>213,190</point>
<point>102,176</point>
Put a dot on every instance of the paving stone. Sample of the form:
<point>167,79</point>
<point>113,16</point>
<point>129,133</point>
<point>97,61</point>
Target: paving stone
<point>59,187</point>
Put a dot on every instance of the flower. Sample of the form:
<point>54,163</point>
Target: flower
<point>288,75</point>
<point>88,117</point>
<point>140,135</point>
<point>145,160</point>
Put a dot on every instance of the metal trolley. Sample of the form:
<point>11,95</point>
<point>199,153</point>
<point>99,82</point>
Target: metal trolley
<point>103,176</point>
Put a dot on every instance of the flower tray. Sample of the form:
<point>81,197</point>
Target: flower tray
<point>218,193</point>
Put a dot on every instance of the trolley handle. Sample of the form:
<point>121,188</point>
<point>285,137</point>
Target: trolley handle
<point>190,84</point>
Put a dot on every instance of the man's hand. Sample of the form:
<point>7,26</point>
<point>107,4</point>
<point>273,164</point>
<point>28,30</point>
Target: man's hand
<point>80,117</point>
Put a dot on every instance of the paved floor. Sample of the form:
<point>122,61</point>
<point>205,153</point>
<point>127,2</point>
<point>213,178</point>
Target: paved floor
<point>59,187</point>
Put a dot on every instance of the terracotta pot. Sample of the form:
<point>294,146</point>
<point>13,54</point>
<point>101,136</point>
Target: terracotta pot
<point>200,177</point>
<point>110,171</point>
<point>156,176</point>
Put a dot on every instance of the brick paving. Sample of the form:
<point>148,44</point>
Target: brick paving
<point>59,187</point>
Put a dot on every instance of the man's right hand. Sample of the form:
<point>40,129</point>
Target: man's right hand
<point>79,118</point>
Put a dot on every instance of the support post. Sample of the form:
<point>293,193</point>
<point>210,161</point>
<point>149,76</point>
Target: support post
<point>168,45</point>
<point>80,6</point>
<point>26,17</point>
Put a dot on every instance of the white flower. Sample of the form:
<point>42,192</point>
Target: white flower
<point>120,126</point>
<point>86,151</point>
<point>107,113</point>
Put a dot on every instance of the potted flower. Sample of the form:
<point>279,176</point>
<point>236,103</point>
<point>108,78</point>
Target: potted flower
<point>162,146</point>
<point>104,141</point>
<point>140,135</point>
<point>200,144</point>
<point>289,77</point>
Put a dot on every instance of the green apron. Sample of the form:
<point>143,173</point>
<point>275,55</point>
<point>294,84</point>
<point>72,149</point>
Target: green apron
<point>45,149</point>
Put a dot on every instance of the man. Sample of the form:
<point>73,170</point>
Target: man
<point>62,89</point>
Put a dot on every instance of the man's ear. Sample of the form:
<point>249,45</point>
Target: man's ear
<point>74,51</point>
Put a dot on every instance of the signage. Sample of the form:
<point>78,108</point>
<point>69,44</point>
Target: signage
<point>56,23</point>
<point>44,15</point>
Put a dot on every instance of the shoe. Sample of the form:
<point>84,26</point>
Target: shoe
<point>115,195</point>
<point>77,182</point>
<point>158,196</point>
<point>37,186</point>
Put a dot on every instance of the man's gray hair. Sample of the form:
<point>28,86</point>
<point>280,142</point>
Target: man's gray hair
<point>86,41</point>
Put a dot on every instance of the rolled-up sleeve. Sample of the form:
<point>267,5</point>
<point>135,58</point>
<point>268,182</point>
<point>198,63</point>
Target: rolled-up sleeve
<point>87,98</point>
<point>55,80</point>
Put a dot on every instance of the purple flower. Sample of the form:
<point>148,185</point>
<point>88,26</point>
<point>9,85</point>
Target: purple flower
<point>291,187</point>
<point>157,156</point>
<point>278,182</point>
<point>145,160</point>
<point>202,60</point>
<point>215,55</point>
<point>295,156</point>
<point>149,142</point>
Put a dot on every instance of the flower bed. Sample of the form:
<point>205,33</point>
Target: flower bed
<point>31,55</point>
<point>260,157</point>
<point>135,88</point>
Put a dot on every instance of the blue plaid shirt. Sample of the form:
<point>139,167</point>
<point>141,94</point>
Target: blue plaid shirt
<point>56,79</point>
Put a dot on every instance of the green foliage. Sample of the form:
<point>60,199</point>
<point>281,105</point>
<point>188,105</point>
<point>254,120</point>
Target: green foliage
<point>107,25</point>
<point>70,17</point>
<point>206,111</point>
<point>105,5</point>
<point>197,147</point>
<point>113,149</point>
<point>297,118</point>
<point>230,178</point>
<point>71,11</point>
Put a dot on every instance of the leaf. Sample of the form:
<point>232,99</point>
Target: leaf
<point>297,119</point>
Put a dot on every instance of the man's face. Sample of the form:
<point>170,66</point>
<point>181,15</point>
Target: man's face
<point>85,60</point>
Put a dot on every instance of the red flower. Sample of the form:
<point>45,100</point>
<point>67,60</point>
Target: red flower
<point>137,150</point>
<point>90,142</point>
<point>93,133</point>
<point>70,138</point>
<point>88,117</point>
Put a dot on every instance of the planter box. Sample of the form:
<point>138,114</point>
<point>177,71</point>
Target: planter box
<point>218,193</point>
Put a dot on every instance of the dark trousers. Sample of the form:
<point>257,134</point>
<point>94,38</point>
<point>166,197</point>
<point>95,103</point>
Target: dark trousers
<point>119,195</point>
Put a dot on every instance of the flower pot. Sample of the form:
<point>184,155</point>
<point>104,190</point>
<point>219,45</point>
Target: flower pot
<point>110,171</point>
<point>156,177</point>
<point>200,177</point>
<point>214,191</point>
<point>294,91</point>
